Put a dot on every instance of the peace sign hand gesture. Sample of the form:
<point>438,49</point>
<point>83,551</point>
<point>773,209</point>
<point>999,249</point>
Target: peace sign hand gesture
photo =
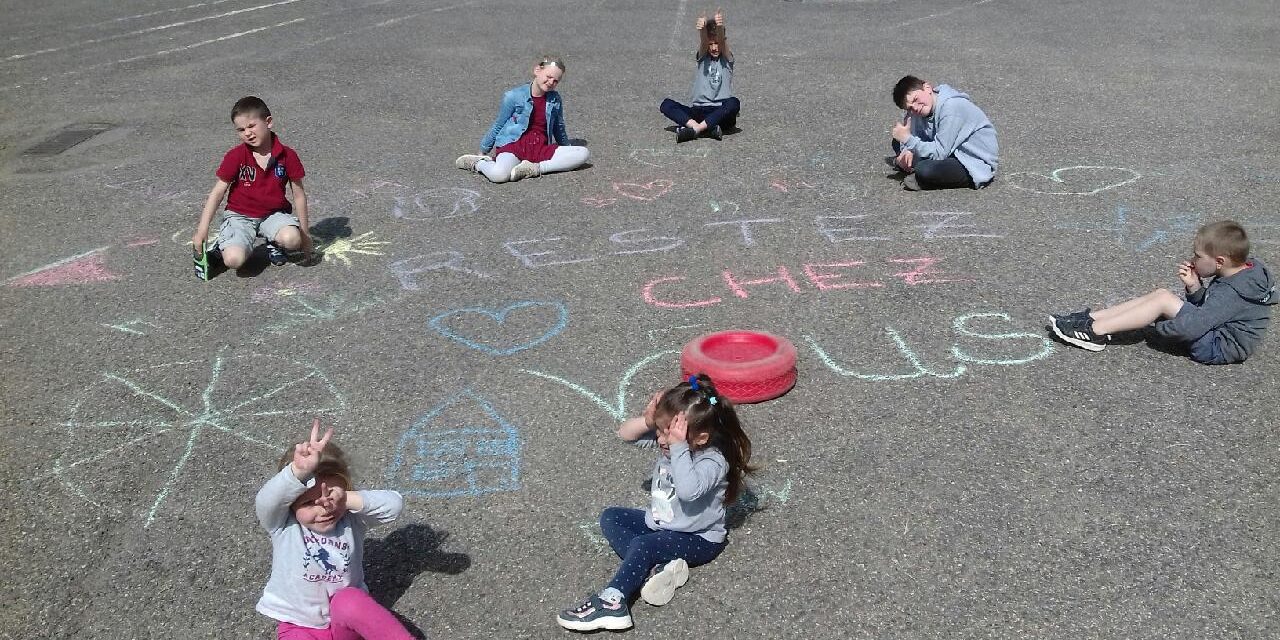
<point>306,455</point>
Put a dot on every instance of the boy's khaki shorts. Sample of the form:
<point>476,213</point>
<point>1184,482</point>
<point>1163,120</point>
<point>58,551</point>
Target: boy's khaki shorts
<point>240,231</point>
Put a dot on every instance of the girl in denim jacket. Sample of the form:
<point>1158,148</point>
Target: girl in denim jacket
<point>518,145</point>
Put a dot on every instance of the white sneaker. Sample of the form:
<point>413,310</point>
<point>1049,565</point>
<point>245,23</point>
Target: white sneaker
<point>524,170</point>
<point>468,162</point>
<point>661,586</point>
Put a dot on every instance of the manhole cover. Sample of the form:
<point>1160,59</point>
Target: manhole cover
<point>67,138</point>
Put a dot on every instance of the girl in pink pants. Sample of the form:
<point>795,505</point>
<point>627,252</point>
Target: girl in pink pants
<point>317,525</point>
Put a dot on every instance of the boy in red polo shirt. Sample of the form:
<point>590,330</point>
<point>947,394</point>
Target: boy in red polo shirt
<point>255,173</point>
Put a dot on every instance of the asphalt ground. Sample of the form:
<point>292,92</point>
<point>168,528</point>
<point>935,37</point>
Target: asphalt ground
<point>942,469</point>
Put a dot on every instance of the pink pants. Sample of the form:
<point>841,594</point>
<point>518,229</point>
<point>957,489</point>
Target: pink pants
<point>352,615</point>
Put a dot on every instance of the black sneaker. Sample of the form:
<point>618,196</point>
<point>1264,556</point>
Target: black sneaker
<point>685,134</point>
<point>595,614</point>
<point>715,132</point>
<point>910,183</point>
<point>1078,330</point>
<point>275,255</point>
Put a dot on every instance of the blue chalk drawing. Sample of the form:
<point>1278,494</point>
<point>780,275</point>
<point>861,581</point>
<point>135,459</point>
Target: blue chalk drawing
<point>618,411</point>
<point>1143,229</point>
<point>453,450</point>
<point>438,324</point>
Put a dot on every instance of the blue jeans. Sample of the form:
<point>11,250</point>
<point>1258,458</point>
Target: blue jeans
<point>1204,349</point>
<point>938,174</point>
<point>642,548</point>
<point>726,114</point>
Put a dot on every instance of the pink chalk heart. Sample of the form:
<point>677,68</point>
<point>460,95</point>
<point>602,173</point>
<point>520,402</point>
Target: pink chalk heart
<point>1083,180</point>
<point>598,203</point>
<point>643,192</point>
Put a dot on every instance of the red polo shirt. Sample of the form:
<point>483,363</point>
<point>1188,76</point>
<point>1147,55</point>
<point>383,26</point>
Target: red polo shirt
<point>258,192</point>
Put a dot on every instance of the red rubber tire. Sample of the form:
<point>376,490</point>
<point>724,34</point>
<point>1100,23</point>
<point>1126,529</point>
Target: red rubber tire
<point>746,366</point>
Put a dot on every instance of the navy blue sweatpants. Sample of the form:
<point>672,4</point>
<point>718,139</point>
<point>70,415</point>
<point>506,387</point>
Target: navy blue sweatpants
<point>642,548</point>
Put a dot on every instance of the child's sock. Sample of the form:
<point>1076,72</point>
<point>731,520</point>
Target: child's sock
<point>611,594</point>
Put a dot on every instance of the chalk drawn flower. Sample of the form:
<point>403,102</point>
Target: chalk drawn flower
<point>139,436</point>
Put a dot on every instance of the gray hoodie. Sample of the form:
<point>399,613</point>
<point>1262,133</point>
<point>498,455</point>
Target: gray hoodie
<point>1235,309</point>
<point>688,492</point>
<point>956,126</point>
<point>307,568</point>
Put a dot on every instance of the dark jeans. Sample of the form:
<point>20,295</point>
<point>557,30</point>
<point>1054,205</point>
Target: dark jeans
<point>642,548</point>
<point>938,174</point>
<point>725,115</point>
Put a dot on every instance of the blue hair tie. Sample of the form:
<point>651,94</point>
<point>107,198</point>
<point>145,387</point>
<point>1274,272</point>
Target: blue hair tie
<point>712,400</point>
<point>693,382</point>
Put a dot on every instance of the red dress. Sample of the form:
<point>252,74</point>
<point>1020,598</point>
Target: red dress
<point>532,144</point>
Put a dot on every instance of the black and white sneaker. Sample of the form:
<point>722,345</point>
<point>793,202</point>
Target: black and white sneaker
<point>685,134</point>
<point>1077,329</point>
<point>661,586</point>
<point>275,255</point>
<point>595,614</point>
<point>715,132</point>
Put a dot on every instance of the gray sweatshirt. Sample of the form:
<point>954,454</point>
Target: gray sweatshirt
<point>307,568</point>
<point>1236,309</point>
<point>712,81</point>
<point>688,492</point>
<point>956,126</point>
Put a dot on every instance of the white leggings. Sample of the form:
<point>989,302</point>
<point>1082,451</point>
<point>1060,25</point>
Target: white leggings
<point>565,159</point>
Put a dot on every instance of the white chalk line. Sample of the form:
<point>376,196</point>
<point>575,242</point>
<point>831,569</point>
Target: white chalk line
<point>252,31</point>
<point>158,53</point>
<point>675,28</point>
<point>73,45</point>
<point>941,13</point>
<point>58,263</point>
<point>136,16</point>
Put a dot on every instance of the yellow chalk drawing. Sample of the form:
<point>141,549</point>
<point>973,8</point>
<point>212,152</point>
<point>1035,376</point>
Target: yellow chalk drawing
<point>339,249</point>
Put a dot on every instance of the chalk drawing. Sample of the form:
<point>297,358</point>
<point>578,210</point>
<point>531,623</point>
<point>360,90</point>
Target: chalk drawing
<point>744,227</point>
<point>942,221</point>
<point>1142,229</point>
<point>127,327</point>
<point>143,188</point>
<point>823,276</point>
<point>406,269</point>
<point>785,186</point>
<point>512,247</point>
<point>597,202</point>
<point>1082,180</point>
<point>302,310</point>
<point>436,204</point>
<point>341,249</point>
<point>462,447</point>
<point>647,192</point>
<point>617,411</point>
<point>836,234</point>
<point>142,242</point>
<point>135,422</point>
<point>78,269</point>
<point>440,324</point>
<point>962,325</point>
<point>374,185</point>
<point>591,530</point>
<point>275,292</point>
<point>183,236</point>
<point>650,156</point>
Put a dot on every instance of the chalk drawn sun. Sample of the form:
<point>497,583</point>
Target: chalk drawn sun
<point>136,439</point>
<point>340,249</point>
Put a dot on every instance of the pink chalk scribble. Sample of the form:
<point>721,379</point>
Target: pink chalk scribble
<point>78,269</point>
<point>643,192</point>
<point>142,242</point>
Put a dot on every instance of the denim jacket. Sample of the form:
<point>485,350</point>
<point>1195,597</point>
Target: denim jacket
<point>513,119</point>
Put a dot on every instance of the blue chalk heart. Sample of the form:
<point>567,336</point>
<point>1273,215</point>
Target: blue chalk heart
<point>438,324</point>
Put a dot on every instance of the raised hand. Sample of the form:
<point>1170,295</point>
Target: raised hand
<point>701,23</point>
<point>678,430</point>
<point>901,130</point>
<point>719,17</point>
<point>1187,274</point>
<point>306,455</point>
<point>650,408</point>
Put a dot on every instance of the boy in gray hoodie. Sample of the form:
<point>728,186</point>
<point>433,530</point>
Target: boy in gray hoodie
<point>944,140</point>
<point>1218,324</point>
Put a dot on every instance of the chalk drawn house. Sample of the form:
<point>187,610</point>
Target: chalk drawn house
<point>462,447</point>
